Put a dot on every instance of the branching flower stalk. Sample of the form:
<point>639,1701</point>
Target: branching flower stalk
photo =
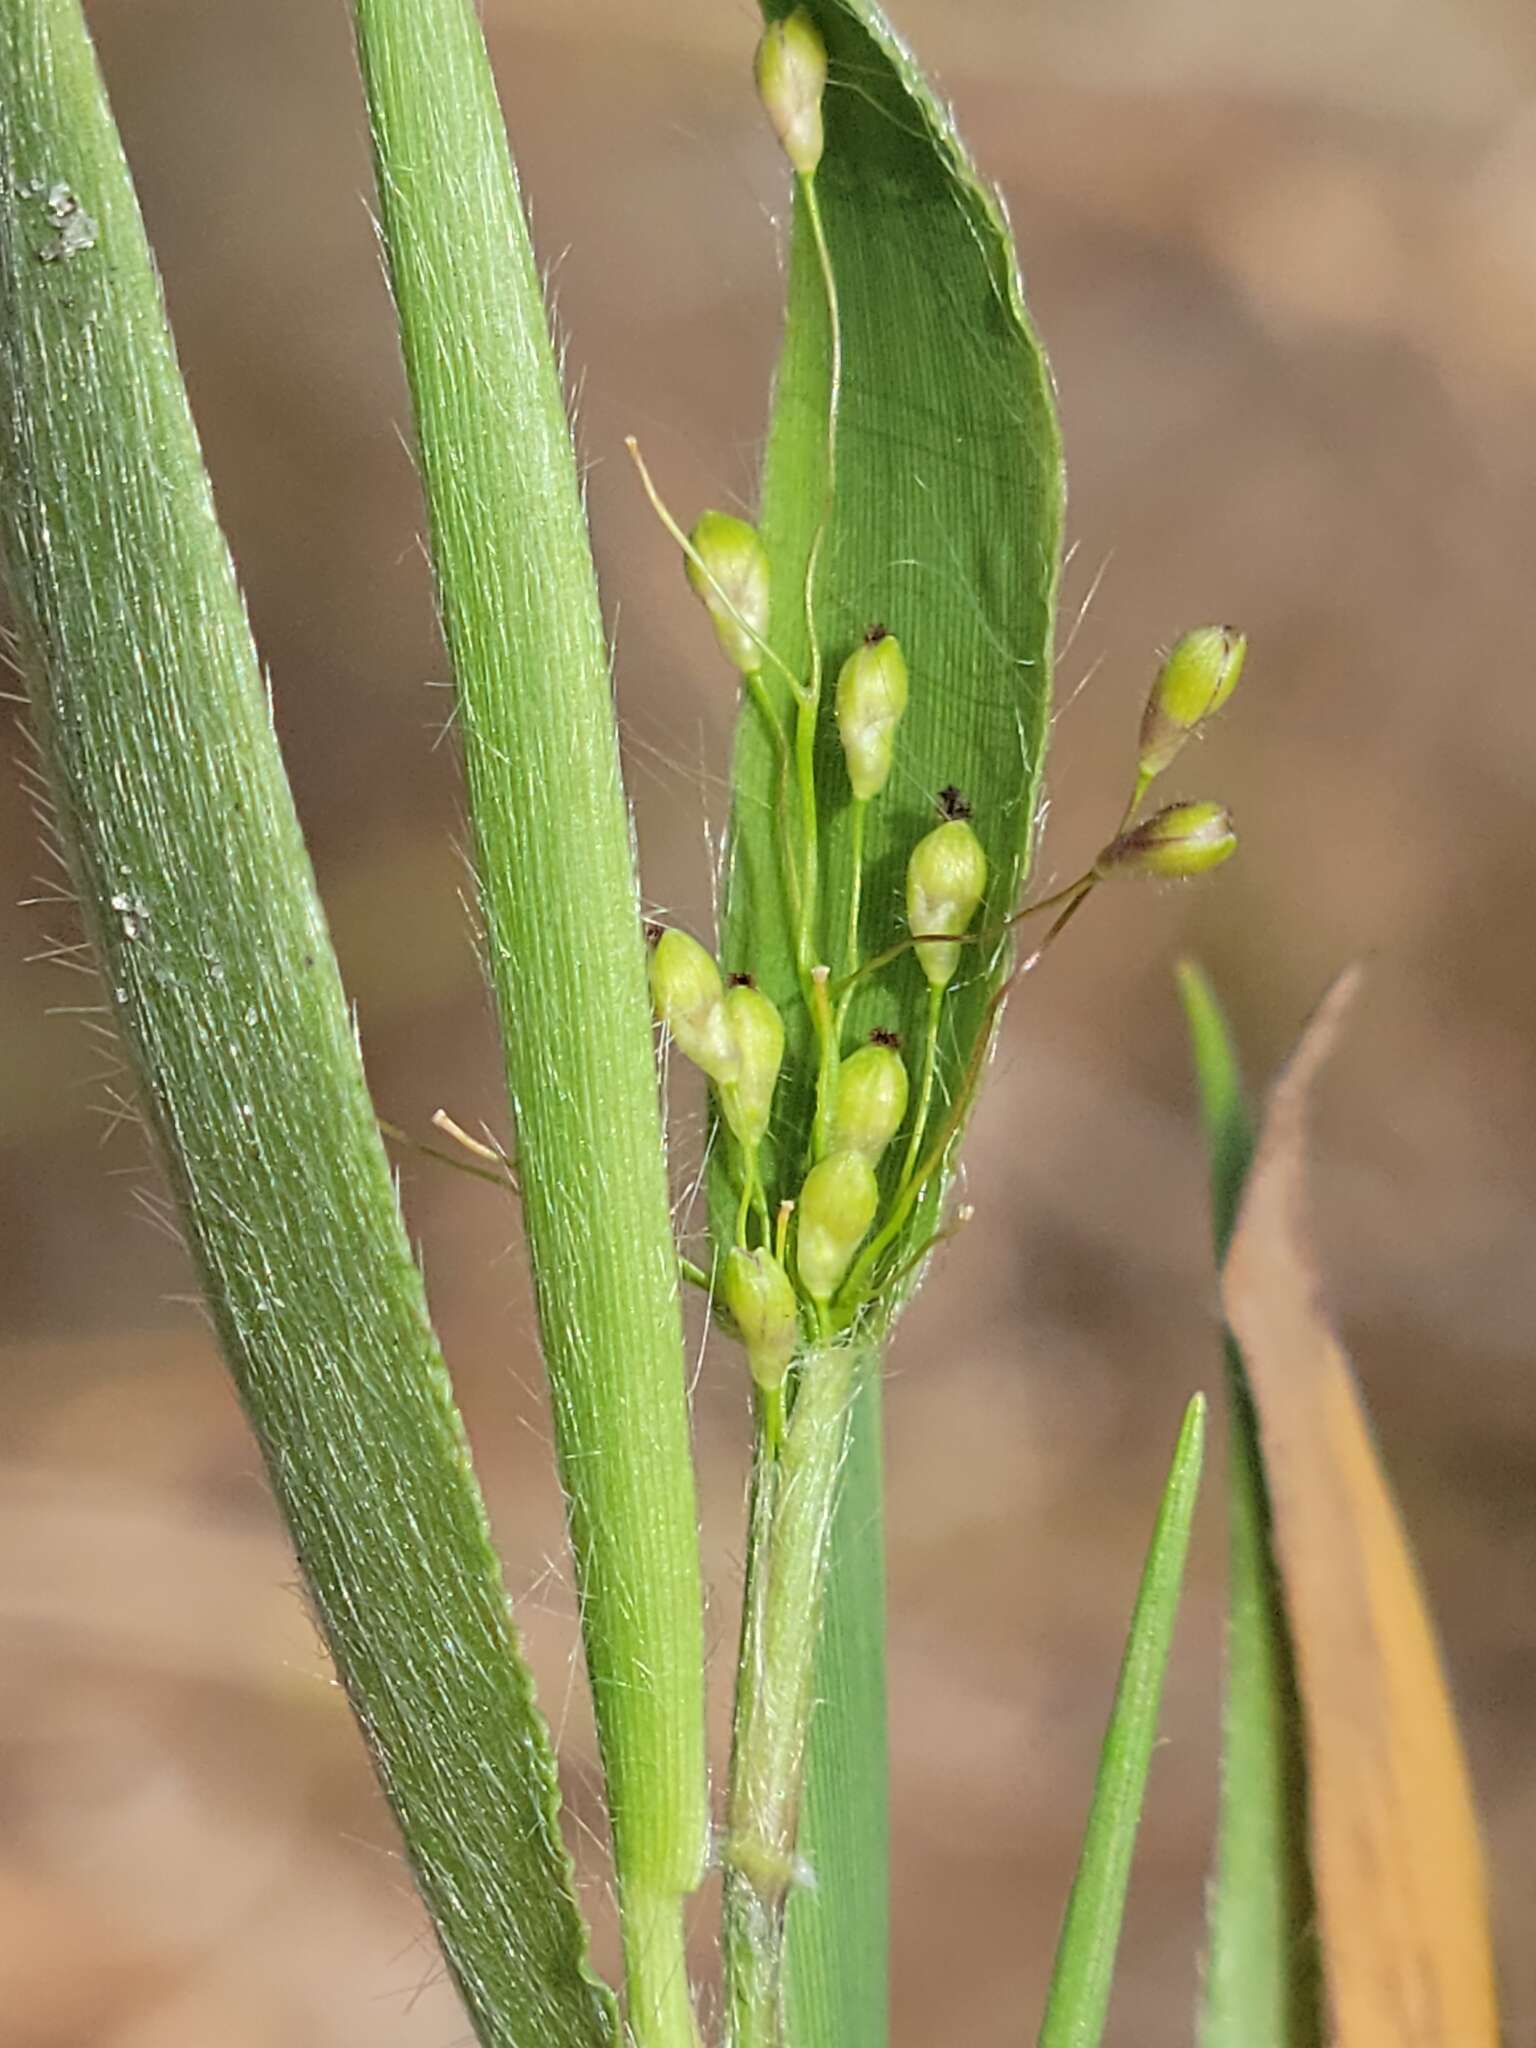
<point>810,1272</point>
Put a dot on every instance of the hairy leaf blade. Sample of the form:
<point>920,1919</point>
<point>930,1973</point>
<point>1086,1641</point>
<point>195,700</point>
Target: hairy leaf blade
<point>1262,1987</point>
<point>1078,2000</point>
<point>154,721</point>
<point>520,614</point>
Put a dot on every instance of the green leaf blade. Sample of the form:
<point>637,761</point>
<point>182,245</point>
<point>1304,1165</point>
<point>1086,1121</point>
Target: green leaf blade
<point>192,875</point>
<point>1262,1979</point>
<point>1078,2001</point>
<point>946,529</point>
<point>559,900</point>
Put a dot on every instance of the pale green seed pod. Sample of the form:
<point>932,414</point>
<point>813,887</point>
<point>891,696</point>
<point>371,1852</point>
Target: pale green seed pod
<point>758,1030</point>
<point>737,597</point>
<point>791,73</point>
<point>757,1291</point>
<point>690,1000</point>
<point>836,1207</point>
<point>1182,840</point>
<point>870,1101</point>
<point>871,697</point>
<point>946,880</point>
<point>1198,677</point>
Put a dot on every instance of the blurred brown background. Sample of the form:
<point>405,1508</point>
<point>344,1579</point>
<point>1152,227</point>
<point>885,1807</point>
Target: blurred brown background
<point>1285,260</point>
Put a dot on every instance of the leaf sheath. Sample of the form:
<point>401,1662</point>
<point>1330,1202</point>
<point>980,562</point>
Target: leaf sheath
<point>796,1501</point>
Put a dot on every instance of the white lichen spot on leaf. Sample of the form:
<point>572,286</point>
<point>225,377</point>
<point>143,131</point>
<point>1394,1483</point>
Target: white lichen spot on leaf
<point>73,228</point>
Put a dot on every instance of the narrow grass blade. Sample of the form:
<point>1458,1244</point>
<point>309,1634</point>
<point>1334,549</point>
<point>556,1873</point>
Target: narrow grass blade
<point>1395,1848</point>
<point>218,973</point>
<point>1085,1955</point>
<point>520,614</point>
<point>946,528</point>
<point>1262,1988</point>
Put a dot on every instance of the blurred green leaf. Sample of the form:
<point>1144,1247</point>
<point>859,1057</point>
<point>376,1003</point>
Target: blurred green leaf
<point>1223,1102</point>
<point>1085,1955</point>
<point>1262,1984</point>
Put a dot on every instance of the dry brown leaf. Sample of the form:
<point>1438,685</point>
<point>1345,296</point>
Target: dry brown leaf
<point>1397,1859</point>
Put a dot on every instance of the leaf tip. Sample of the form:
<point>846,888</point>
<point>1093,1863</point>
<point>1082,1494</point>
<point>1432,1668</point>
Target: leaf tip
<point>1189,1454</point>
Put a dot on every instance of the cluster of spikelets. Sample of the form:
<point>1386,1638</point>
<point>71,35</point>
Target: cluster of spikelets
<point>814,1263</point>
